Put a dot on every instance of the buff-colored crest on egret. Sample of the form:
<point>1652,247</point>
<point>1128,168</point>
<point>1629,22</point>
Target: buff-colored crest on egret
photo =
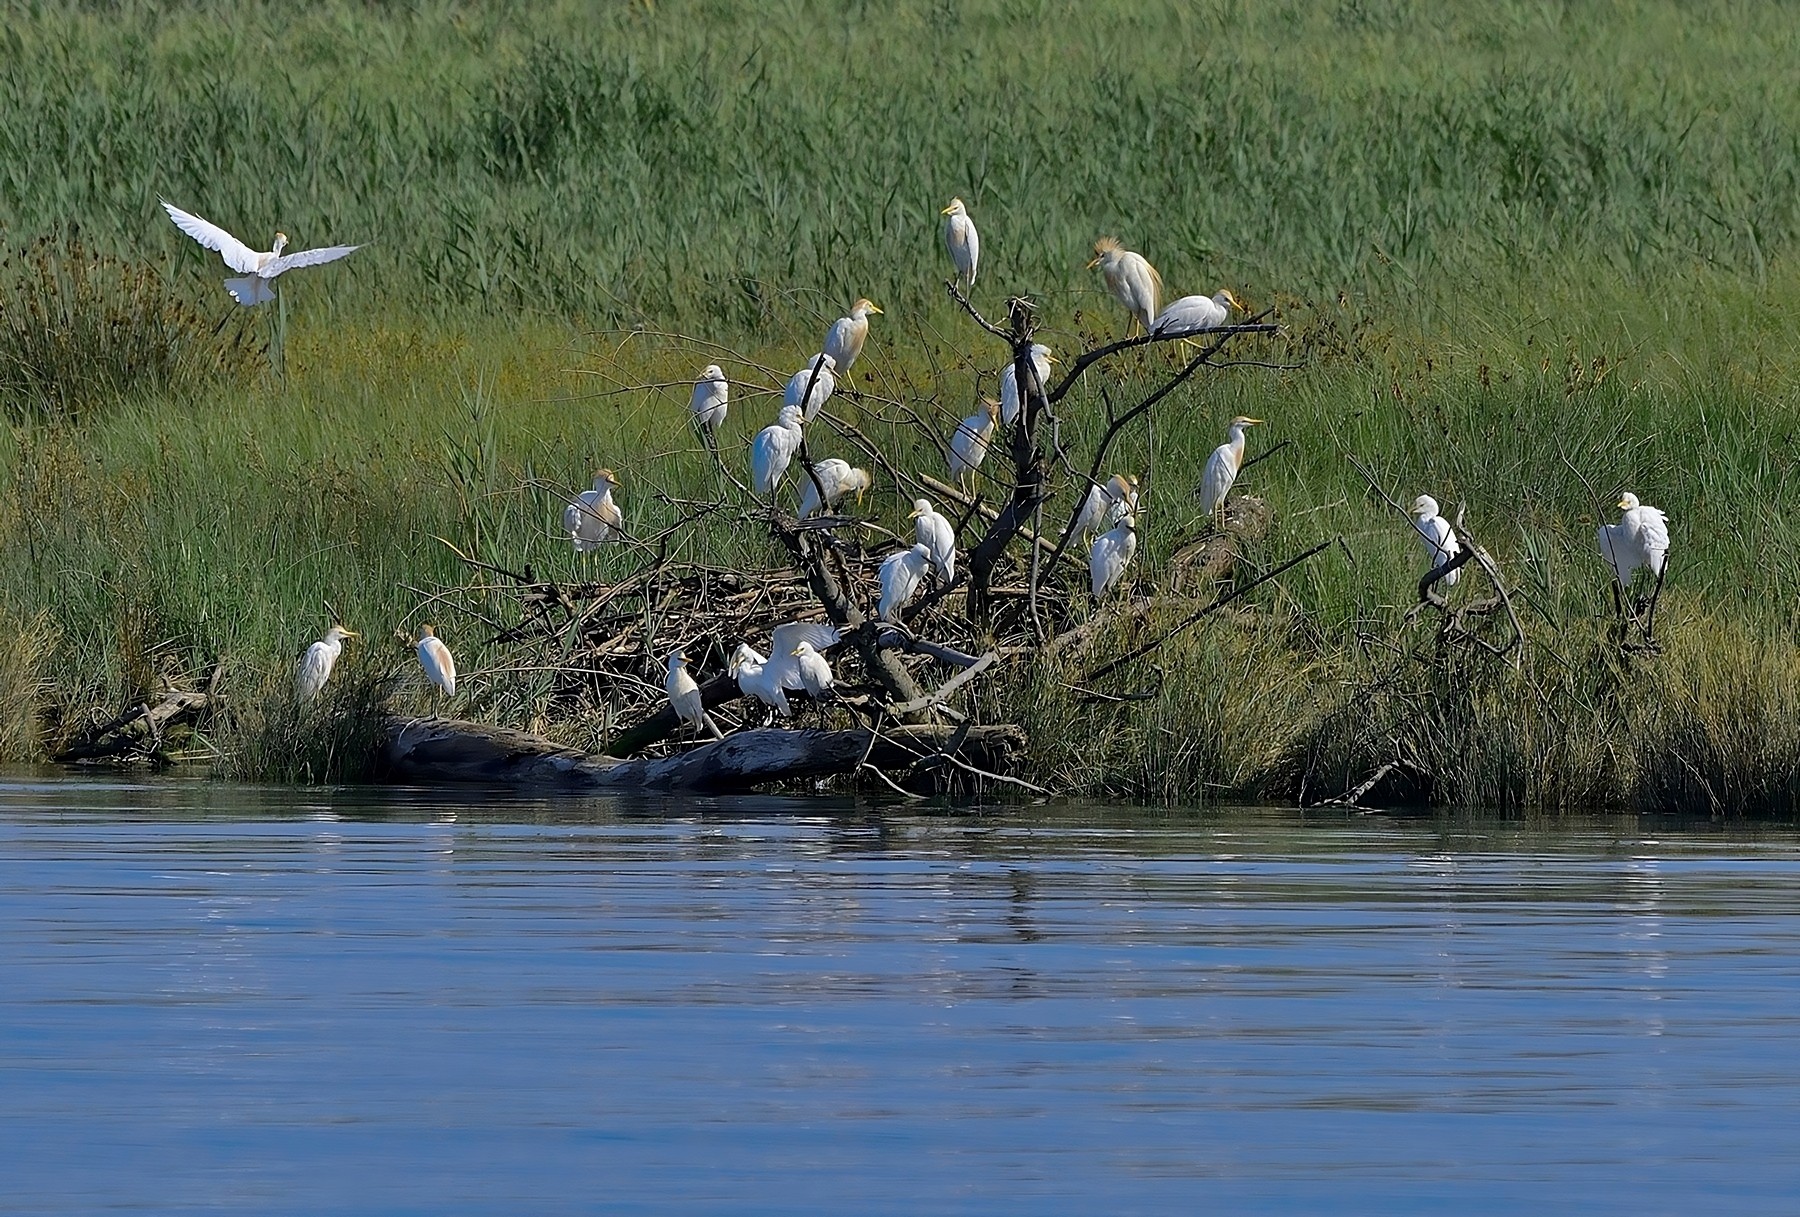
<point>1130,278</point>
<point>1436,535</point>
<point>838,478</point>
<point>1223,465</point>
<point>317,661</point>
<point>593,519</point>
<point>844,340</point>
<point>1010,399</point>
<point>1106,505</point>
<point>963,242</point>
<point>257,270</point>
<point>1640,538</point>
<point>435,658</point>
<point>934,532</point>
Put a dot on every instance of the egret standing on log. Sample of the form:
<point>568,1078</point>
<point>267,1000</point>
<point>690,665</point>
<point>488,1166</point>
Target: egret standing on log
<point>815,671</point>
<point>933,531</point>
<point>1131,279</point>
<point>711,400</point>
<point>593,518</point>
<point>773,450</point>
<point>684,696</point>
<point>1222,467</point>
<point>1192,314</point>
<point>258,270</point>
<point>901,575</point>
<point>844,340</point>
<point>823,383</point>
<point>435,658</point>
<point>1011,402</point>
<point>1640,538</point>
<point>1111,554</point>
<point>838,478</point>
<point>969,446</point>
<point>961,239</point>
<point>1437,536</point>
<point>317,661</point>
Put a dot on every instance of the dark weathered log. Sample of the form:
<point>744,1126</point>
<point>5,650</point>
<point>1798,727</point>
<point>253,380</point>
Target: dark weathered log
<point>436,750</point>
<point>139,732</point>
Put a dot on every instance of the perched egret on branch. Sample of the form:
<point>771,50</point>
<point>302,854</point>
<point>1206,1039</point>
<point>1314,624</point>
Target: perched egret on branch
<point>838,478</point>
<point>773,450</point>
<point>969,446</point>
<point>593,518</point>
<point>257,269</point>
<point>684,696</point>
<point>933,531</point>
<point>824,384</point>
<point>1009,382</point>
<point>1191,314</point>
<point>1640,538</point>
<point>1223,465</point>
<point>768,678</point>
<point>317,661</point>
<point>961,239</point>
<point>815,671</point>
<point>1133,282</point>
<point>435,658</point>
<point>1106,505</point>
<point>901,575</point>
<point>711,399</point>
<point>1437,536</point>
<point>844,340</point>
<point>1111,554</point>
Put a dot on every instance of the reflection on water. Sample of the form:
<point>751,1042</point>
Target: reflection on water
<point>231,999</point>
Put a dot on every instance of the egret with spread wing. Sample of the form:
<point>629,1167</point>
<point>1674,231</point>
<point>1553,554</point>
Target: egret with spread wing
<point>257,270</point>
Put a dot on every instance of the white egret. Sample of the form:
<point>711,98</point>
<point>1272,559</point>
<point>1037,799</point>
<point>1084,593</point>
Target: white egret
<point>838,478</point>
<point>969,446</point>
<point>684,696</point>
<point>844,340</point>
<point>435,658</point>
<point>901,575</point>
<point>1009,382</point>
<point>815,671</point>
<point>933,531</point>
<point>1437,536</point>
<point>1223,465</point>
<point>1192,314</point>
<point>316,662</point>
<point>593,518</point>
<point>961,239</point>
<point>767,678</point>
<point>1131,279</point>
<point>1111,554</point>
<point>751,671</point>
<point>711,399</point>
<point>1640,538</point>
<point>773,450</point>
<point>824,384</point>
<point>1106,505</point>
<point>257,269</point>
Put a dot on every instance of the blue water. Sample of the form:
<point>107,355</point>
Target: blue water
<point>217,999</point>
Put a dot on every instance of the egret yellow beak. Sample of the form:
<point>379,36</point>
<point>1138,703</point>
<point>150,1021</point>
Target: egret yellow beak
<point>859,495</point>
<point>874,308</point>
<point>946,211</point>
<point>350,633</point>
<point>795,652</point>
<point>1257,421</point>
<point>1621,505</point>
<point>1049,359</point>
<point>1093,264</point>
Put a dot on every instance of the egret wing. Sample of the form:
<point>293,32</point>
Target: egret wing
<point>309,257</point>
<point>238,256</point>
<point>782,662</point>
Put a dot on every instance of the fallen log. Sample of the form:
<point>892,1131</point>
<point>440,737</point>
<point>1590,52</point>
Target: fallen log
<point>438,750</point>
<point>142,732</point>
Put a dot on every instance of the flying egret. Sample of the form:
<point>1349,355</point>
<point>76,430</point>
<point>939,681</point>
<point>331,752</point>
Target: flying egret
<point>773,450</point>
<point>257,270</point>
<point>1640,538</point>
<point>969,446</point>
<point>838,478</point>
<point>844,340</point>
<point>1106,505</point>
<point>1131,279</point>
<point>901,575</point>
<point>684,696</point>
<point>961,239</point>
<point>1437,536</point>
<point>315,665</point>
<point>933,531</point>
<point>1009,382</point>
<point>1223,465</point>
<point>1191,314</point>
<point>815,671</point>
<point>593,518</point>
<point>824,384</point>
<point>712,397</point>
<point>435,658</point>
<point>1111,554</point>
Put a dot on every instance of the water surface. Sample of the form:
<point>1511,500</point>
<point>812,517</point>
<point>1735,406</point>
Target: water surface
<point>242,1000</point>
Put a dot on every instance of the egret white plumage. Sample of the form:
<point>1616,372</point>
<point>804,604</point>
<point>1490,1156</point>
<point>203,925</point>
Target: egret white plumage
<point>1131,279</point>
<point>901,576</point>
<point>815,671</point>
<point>961,239</point>
<point>773,450</point>
<point>684,696</point>
<point>844,340</point>
<point>593,518</point>
<point>767,678</point>
<point>257,270</point>
<point>824,384</point>
<point>1010,401</point>
<point>1223,465</point>
<point>1192,314</point>
<point>316,662</point>
<point>751,670</point>
<point>1111,554</point>
<point>1436,535</point>
<point>1106,505</point>
<point>711,399</point>
<point>969,446</point>
<point>1640,538</point>
<point>933,531</point>
<point>435,658</point>
<point>838,478</point>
